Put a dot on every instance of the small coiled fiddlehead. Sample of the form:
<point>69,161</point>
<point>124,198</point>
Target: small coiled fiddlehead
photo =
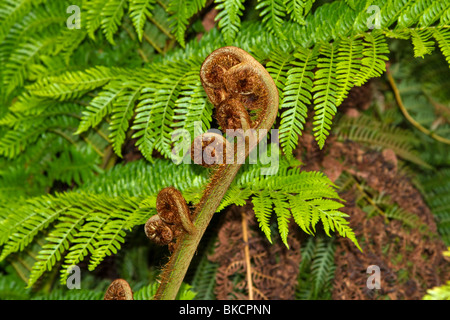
<point>245,97</point>
<point>119,289</point>
<point>173,217</point>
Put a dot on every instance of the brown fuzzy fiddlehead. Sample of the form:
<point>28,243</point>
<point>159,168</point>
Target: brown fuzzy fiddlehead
<point>173,218</point>
<point>245,97</point>
<point>158,231</point>
<point>235,83</point>
<point>173,209</point>
<point>119,289</point>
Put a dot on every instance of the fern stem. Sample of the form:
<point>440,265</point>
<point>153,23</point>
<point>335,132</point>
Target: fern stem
<point>152,43</point>
<point>186,247</point>
<point>405,112</point>
<point>62,134</point>
<point>160,27</point>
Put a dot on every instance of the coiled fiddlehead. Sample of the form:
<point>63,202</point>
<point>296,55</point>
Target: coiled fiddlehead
<point>119,289</point>
<point>245,97</point>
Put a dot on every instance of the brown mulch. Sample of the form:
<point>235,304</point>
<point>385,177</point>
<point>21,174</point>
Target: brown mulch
<point>274,268</point>
<point>410,260</point>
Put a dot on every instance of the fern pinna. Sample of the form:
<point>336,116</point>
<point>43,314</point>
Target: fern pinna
<point>76,98</point>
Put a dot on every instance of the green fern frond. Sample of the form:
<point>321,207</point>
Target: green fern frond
<point>93,16</point>
<point>139,11</point>
<point>442,37</point>
<point>155,111</point>
<point>32,217</point>
<point>296,98</point>
<point>278,66</point>
<point>122,112</point>
<point>56,243</point>
<point>298,9</point>
<point>373,63</point>
<point>412,13</point>
<point>433,13</point>
<point>192,107</point>
<point>228,18</point>
<point>272,14</point>
<point>72,85</point>
<point>323,266</point>
<point>262,206</point>
<point>422,43</point>
<point>436,190</point>
<point>21,58</point>
<point>348,65</point>
<point>112,14</point>
<point>325,88</point>
<point>374,133</point>
<point>15,142</point>
<point>181,11</point>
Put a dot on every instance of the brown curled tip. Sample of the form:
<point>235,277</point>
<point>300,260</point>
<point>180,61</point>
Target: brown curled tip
<point>230,74</point>
<point>173,209</point>
<point>213,70</point>
<point>157,231</point>
<point>119,289</point>
<point>209,149</point>
<point>231,114</point>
